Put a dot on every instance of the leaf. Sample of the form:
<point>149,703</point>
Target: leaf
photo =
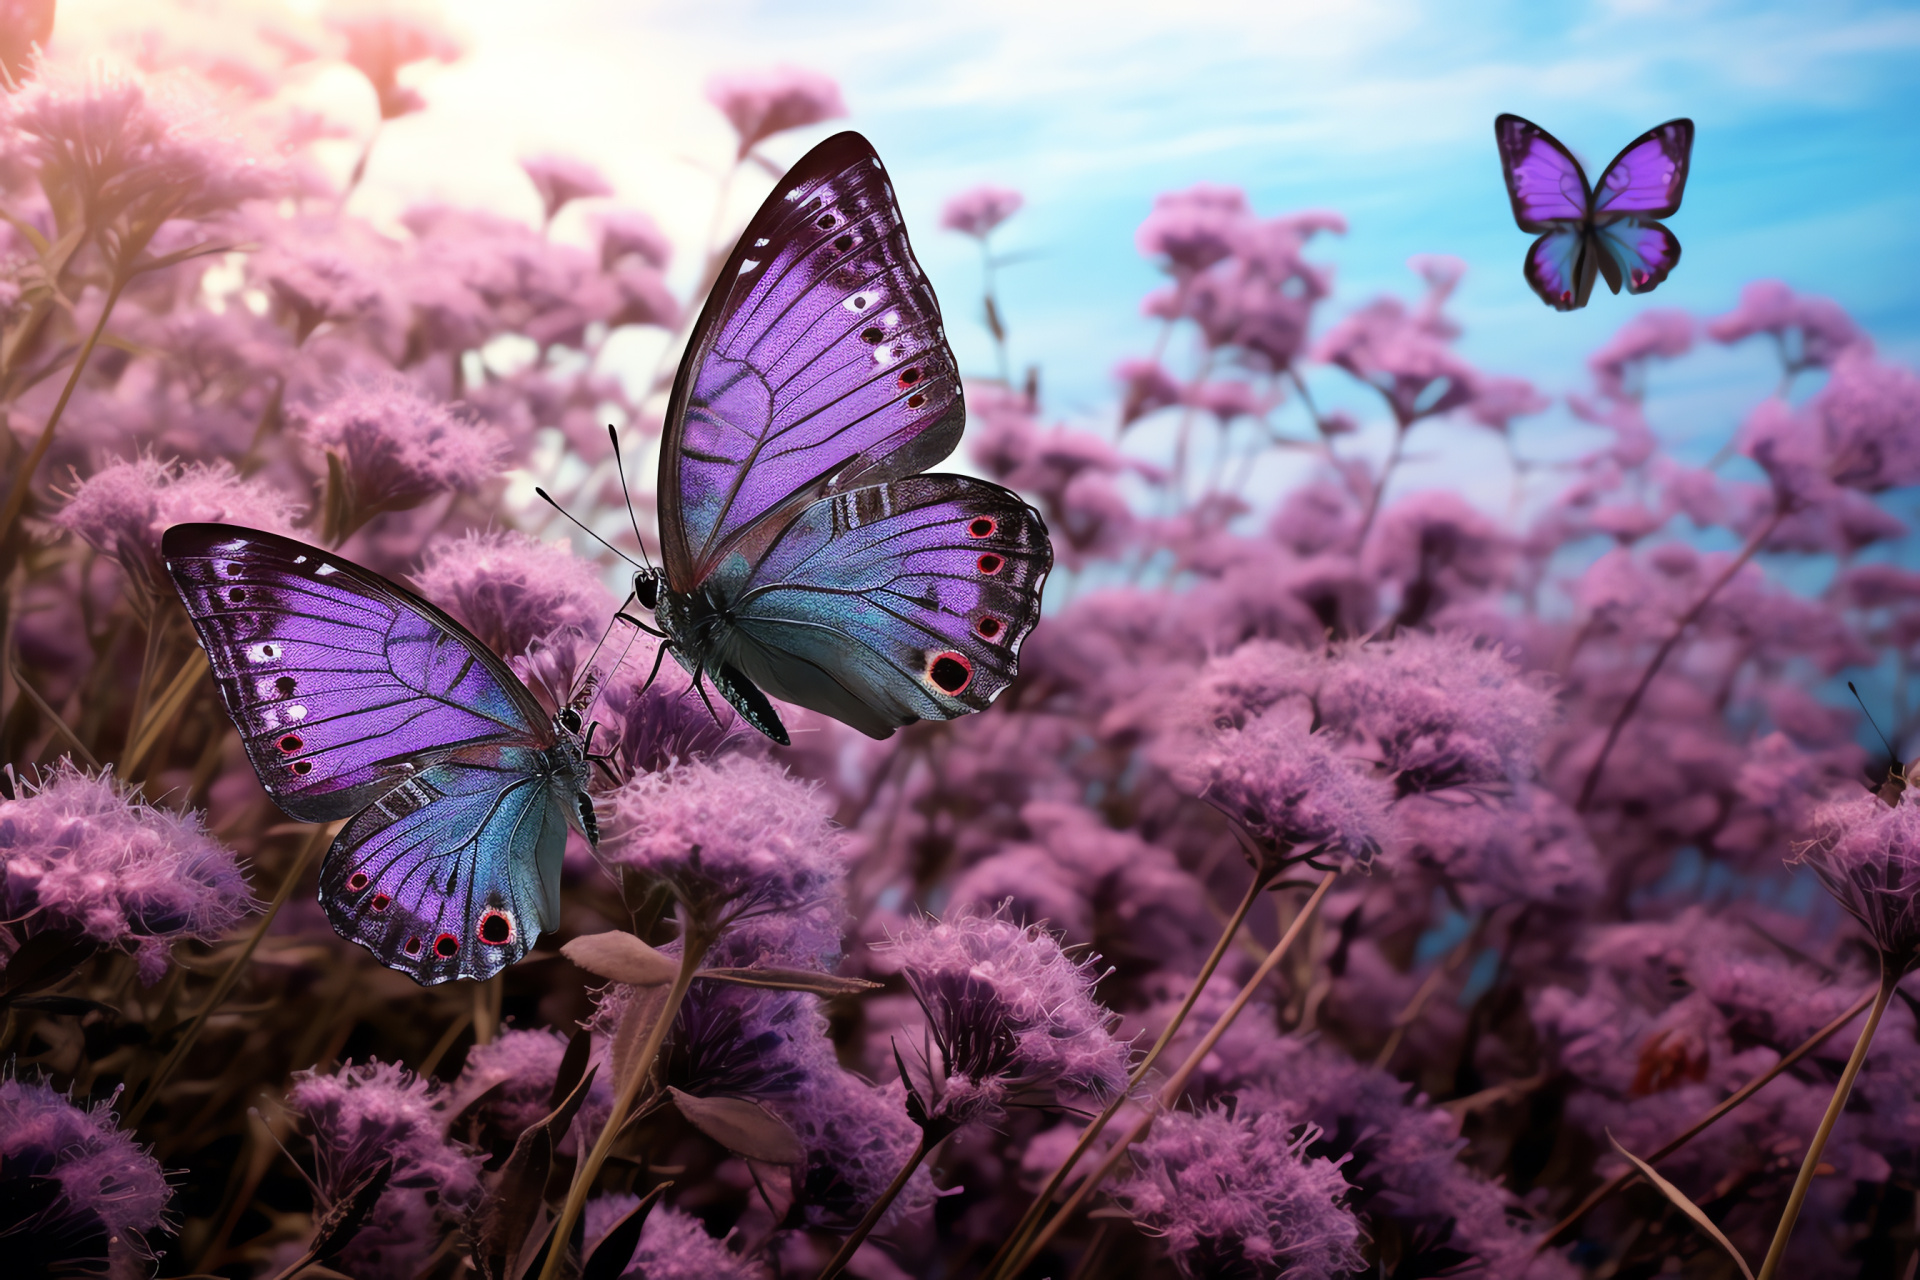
<point>343,1222</point>
<point>42,961</point>
<point>743,1127</point>
<point>820,984</point>
<point>573,1065</point>
<point>644,1008</point>
<point>615,1249</point>
<point>1686,1206</point>
<point>529,1268</point>
<point>506,1219</point>
<point>623,958</point>
<point>64,1005</point>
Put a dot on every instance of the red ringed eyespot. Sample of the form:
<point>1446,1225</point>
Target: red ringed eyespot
<point>380,902</point>
<point>910,377</point>
<point>303,767</point>
<point>413,946</point>
<point>357,881</point>
<point>982,527</point>
<point>291,743</point>
<point>495,928</point>
<point>950,671</point>
<point>991,564</point>
<point>987,628</point>
<point>445,946</point>
<point>916,400</point>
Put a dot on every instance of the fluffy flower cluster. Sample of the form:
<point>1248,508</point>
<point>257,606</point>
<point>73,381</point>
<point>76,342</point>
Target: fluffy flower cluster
<point>673,1245</point>
<point>511,589</point>
<point>1867,853</point>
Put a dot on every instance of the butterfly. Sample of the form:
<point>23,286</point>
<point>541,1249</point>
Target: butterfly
<point>357,699</point>
<point>805,555</point>
<point>1607,229</point>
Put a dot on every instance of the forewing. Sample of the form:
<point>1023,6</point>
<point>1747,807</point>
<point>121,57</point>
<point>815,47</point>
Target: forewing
<point>1649,175</point>
<point>455,872</point>
<point>818,365</point>
<point>340,683</point>
<point>1544,181</point>
<point>1560,270</point>
<point>1643,253</point>
<point>896,602</point>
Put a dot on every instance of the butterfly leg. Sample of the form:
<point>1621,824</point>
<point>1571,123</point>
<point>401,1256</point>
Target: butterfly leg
<point>701,689</point>
<point>652,631</point>
<point>659,655</point>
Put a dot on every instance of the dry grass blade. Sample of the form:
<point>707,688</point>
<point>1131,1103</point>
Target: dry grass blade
<point>337,1230</point>
<point>1686,1206</point>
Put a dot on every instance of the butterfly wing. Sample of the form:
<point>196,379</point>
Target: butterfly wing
<point>341,684</point>
<point>1544,181</point>
<point>455,872</point>
<point>894,603</point>
<point>1639,254</point>
<point>1561,266</point>
<point>1648,177</point>
<point>818,365</point>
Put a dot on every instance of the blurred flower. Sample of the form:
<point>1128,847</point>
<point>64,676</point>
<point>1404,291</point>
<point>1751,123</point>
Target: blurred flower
<point>1869,417</point>
<point>1497,401</point>
<point>78,856</point>
<point>1867,854</point>
<point>392,448</point>
<point>122,509</point>
<point>1009,1013</point>
<point>1147,388</point>
<point>1811,332</point>
<point>510,588</point>
<point>561,180</point>
<point>77,1195</point>
<point>1439,550</point>
<point>673,1245</point>
<point>664,724</point>
<point>1398,356</point>
<point>733,837</point>
<point>322,271</point>
<point>384,36</point>
<point>1619,367</point>
<point>1193,229</point>
<point>1234,1197</point>
<point>506,1087</point>
<point>624,233</point>
<point>978,211</point>
<point>360,1115</point>
<point>760,104</point>
<point>25,27</point>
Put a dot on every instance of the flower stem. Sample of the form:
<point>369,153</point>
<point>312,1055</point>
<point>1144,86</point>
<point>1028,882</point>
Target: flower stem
<point>1680,627</point>
<point>1798,1197</point>
<point>1706,1121</point>
<point>1177,1084</point>
<point>1031,1218</point>
<point>844,1254</point>
<point>694,944</point>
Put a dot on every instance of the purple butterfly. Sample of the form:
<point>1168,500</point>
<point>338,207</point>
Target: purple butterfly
<point>357,699</point>
<point>1607,229</point>
<point>804,553</point>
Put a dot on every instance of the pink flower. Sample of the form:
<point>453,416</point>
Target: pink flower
<point>25,27</point>
<point>1439,550</point>
<point>1147,389</point>
<point>80,857</point>
<point>760,104</point>
<point>1238,1196</point>
<point>360,1115</point>
<point>122,509</point>
<point>510,588</point>
<point>394,448</point>
<point>507,1086</point>
<point>322,271</point>
<point>1869,416</point>
<point>107,1191</point>
<point>560,180</point>
<point>1497,401</point>
<point>1392,352</point>
<point>978,211</point>
<point>1619,367</point>
<point>858,1136</point>
<point>629,233</point>
<point>1867,854</point>
<point>1811,332</point>
<point>1193,229</point>
<point>383,37</point>
<point>673,1245</point>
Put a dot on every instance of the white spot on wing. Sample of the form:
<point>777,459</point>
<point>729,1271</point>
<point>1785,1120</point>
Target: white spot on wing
<point>324,570</point>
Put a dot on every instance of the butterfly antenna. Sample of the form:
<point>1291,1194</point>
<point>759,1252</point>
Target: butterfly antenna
<point>1891,753</point>
<point>613,434</point>
<point>548,499</point>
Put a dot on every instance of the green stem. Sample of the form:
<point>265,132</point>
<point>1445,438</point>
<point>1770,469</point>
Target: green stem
<point>693,949</point>
<point>17,493</point>
<point>1798,1197</point>
<point>1038,1207</point>
<point>844,1254</point>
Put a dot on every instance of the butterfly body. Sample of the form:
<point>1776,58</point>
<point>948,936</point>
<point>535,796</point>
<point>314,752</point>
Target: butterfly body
<point>355,699</point>
<point>806,555</point>
<point>1606,230</point>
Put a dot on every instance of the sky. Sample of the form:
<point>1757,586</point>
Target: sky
<point>1804,169</point>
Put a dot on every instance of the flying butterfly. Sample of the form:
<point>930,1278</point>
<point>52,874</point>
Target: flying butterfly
<point>1608,229</point>
<point>805,555</point>
<point>357,699</point>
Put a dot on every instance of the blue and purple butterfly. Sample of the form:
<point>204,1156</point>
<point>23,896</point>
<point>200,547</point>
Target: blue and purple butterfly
<point>805,555</point>
<point>1608,229</point>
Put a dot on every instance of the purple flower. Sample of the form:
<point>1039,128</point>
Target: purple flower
<point>1867,854</point>
<point>77,1195</point>
<point>80,857</point>
<point>505,1088</point>
<point>560,180</point>
<point>359,1115</point>
<point>1811,332</point>
<point>395,448</point>
<point>511,589</point>
<point>1497,401</point>
<point>664,724</point>
<point>382,38</point>
<point>1147,388</point>
<point>1009,1013</point>
<point>760,104</point>
<point>1193,229</point>
<point>628,233</point>
<point>673,1245</point>
<point>1869,417</point>
<point>1399,356</point>
<point>1234,1197</point>
<point>858,1136</point>
<point>328,271</point>
<point>122,509</point>
<point>25,26</point>
<point>734,836</point>
<point>730,1040</point>
<point>1619,367</point>
<point>1438,550</point>
<point>978,211</point>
